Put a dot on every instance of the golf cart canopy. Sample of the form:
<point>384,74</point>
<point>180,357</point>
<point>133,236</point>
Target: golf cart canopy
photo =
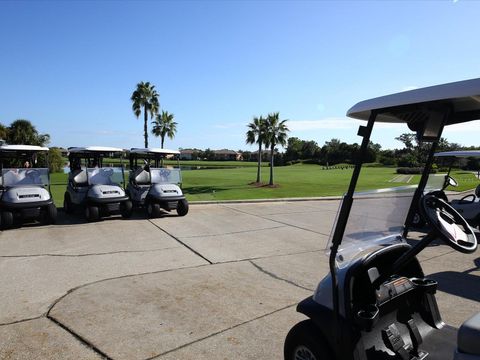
<point>462,98</point>
<point>22,148</point>
<point>459,154</point>
<point>153,151</point>
<point>93,149</point>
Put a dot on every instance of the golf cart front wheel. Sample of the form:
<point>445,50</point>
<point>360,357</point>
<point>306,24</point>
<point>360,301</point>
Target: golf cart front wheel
<point>7,219</point>
<point>49,214</point>
<point>153,210</point>
<point>126,209</point>
<point>305,342</point>
<point>67,204</point>
<point>92,213</point>
<point>182,207</point>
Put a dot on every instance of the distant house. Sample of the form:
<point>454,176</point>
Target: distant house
<point>226,154</point>
<point>189,154</point>
<point>265,155</point>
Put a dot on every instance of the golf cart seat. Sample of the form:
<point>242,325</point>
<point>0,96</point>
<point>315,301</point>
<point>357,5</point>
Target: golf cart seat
<point>468,337</point>
<point>141,177</point>
<point>79,178</point>
<point>470,198</point>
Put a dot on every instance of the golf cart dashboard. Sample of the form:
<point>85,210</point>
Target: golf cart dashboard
<point>393,288</point>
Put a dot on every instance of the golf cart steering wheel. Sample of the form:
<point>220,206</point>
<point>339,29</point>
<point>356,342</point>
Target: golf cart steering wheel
<point>451,226</point>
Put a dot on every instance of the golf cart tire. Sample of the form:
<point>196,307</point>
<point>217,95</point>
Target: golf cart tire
<point>182,207</point>
<point>7,219</point>
<point>126,209</point>
<point>49,214</point>
<point>153,209</point>
<point>305,339</point>
<point>92,213</point>
<point>67,203</point>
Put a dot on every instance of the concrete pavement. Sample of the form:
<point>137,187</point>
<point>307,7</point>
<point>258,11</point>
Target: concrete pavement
<point>219,283</point>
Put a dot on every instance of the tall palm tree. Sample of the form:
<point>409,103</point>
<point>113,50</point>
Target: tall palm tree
<point>276,134</point>
<point>145,97</point>
<point>163,125</point>
<point>256,134</point>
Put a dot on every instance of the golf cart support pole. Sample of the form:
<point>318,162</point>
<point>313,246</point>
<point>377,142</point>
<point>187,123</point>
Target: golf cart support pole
<point>424,179</point>
<point>365,132</point>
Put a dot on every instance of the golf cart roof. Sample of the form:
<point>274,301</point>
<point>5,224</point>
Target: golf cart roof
<point>22,148</point>
<point>463,97</point>
<point>461,154</point>
<point>93,149</point>
<point>153,151</point>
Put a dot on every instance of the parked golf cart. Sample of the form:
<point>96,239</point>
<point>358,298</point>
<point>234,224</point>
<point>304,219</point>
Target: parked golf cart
<point>154,186</point>
<point>25,189</point>
<point>96,189</point>
<point>376,302</point>
<point>468,206</point>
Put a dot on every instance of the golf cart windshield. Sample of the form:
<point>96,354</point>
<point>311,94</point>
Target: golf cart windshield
<point>105,176</point>
<point>435,182</point>
<point>28,176</point>
<point>165,176</point>
<point>376,218</point>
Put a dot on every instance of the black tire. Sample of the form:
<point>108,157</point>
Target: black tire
<point>126,209</point>
<point>153,209</point>
<point>92,213</point>
<point>305,342</point>
<point>182,207</point>
<point>49,215</point>
<point>67,203</point>
<point>7,219</point>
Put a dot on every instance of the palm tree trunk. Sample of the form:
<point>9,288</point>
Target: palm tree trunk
<point>259,161</point>
<point>145,130</point>
<point>271,164</point>
<point>163,139</point>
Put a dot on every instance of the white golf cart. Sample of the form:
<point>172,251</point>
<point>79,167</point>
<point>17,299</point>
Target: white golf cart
<point>154,186</point>
<point>376,302</point>
<point>25,190</point>
<point>97,189</point>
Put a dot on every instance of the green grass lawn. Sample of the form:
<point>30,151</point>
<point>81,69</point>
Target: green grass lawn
<point>301,180</point>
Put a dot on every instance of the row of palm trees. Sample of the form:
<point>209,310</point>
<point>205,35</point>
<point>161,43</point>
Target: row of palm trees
<point>269,131</point>
<point>145,98</point>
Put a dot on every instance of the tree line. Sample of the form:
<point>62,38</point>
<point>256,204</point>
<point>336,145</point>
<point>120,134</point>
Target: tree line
<point>23,132</point>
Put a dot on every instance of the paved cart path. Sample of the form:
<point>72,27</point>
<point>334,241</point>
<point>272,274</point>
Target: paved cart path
<point>221,282</point>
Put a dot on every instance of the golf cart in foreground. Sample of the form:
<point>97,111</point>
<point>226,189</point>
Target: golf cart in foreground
<point>153,186</point>
<point>376,302</point>
<point>97,189</point>
<point>24,191</point>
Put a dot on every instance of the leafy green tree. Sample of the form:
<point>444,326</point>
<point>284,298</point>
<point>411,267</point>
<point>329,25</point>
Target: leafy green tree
<point>276,134</point>
<point>145,98</point>
<point>256,135</point>
<point>163,125</point>
<point>24,132</point>
<point>3,132</point>
<point>55,160</point>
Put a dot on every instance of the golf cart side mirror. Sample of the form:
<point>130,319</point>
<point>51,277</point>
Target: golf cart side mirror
<point>452,182</point>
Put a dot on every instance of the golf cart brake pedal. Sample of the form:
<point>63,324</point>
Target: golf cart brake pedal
<point>395,342</point>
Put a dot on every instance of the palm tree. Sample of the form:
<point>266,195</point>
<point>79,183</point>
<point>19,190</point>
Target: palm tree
<point>163,125</point>
<point>276,134</point>
<point>256,134</point>
<point>24,132</point>
<point>145,96</point>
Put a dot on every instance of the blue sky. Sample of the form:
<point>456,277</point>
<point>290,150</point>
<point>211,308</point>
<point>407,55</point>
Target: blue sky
<point>70,67</point>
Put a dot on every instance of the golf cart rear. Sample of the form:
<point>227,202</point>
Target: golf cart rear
<point>153,185</point>
<point>95,188</point>
<point>376,302</point>
<point>25,189</point>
